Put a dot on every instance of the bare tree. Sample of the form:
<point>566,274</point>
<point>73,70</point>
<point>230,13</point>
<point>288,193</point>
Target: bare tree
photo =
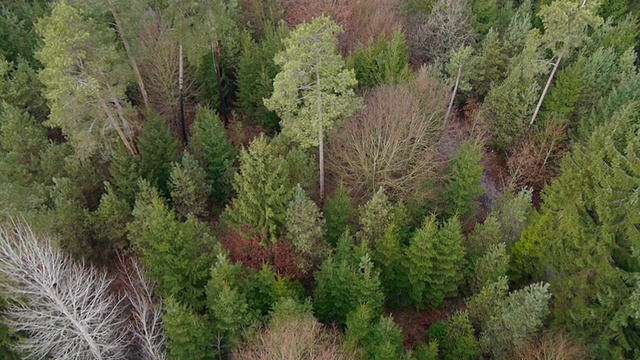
<point>145,313</point>
<point>65,308</point>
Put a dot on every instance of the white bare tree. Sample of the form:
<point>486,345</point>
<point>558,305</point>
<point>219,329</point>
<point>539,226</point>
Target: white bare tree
<point>145,313</point>
<point>66,309</point>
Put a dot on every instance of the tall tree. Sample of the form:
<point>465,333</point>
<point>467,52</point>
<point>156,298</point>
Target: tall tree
<point>85,81</point>
<point>313,90</point>
<point>464,188</point>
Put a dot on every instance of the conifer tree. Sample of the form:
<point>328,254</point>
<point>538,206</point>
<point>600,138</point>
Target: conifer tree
<point>189,334</point>
<point>461,342</point>
<point>378,337</point>
<point>313,90</point>
<point>125,173</point>
<point>464,189</point>
<point>158,150</point>
<point>21,87</point>
<point>449,259</point>
<point>189,188</point>
<point>375,216</point>
<point>491,266</point>
<point>343,282</point>
<point>109,222</point>
<point>485,304</point>
<point>213,150</point>
<point>483,236</point>
<point>339,214</point>
<point>419,262</point>
<point>262,192</point>
<point>382,62</point>
<point>389,258</point>
<point>305,229</point>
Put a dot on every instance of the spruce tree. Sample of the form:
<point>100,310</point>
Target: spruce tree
<point>381,62</point>
<point>189,188</point>
<point>449,259</point>
<point>464,188</point>
<point>485,304</point>
<point>490,267</point>
<point>109,222</point>
<point>375,216</point>
<point>213,150</point>
<point>189,335</point>
<point>339,214</point>
<point>262,192</point>
<point>419,262</point>
<point>389,258</point>
<point>461,342</point>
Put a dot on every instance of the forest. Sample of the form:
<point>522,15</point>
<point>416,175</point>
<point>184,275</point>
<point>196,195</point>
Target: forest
<point>320,179</point>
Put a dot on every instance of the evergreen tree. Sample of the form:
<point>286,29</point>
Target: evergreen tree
<point>21,87</point>
<point>174,252</point>
<point>125,173</point>
<point>313,90</point>
<point>449,259</point>
<point>464,188</point>
<point>461,343</point>
<point>378,337</point>
<point>213,150</point>
<point>262,192</point>
<point>419,262</point>
<point>485,304</point>
<point>189,188</point>
<point>339,214</point>
<point>389,258</point>
<point>375,216</point>
<point>483,236</point>
<point>305,229</point>
<point>382,62</point>
<point>109,223</point>
<point>490,267</point>
<point>343,282</point>
<point>158,150</point>
<point>188,334</point>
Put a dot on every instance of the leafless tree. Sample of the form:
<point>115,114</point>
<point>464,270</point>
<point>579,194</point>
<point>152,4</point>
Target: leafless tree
<point>66,309</point>
<point>145,313</point>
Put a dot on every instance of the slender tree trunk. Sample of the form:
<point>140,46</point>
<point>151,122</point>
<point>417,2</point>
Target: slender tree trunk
<point>183,127</point>
<point>544,92</point>
<point>113,121</point>
<point>132,60</point>
<point>320,140</point>
<point>453,96</point>
<point>216,67</point>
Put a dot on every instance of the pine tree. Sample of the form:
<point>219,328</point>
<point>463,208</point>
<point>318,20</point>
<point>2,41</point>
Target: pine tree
<point>339,214</point>
<point>313,90</point>
<point>378,337</point>
<point>464,188</point>
<point>262,192</point>
<point>20,87</point>
<point>213,150</point>
<point>125,173</point>
<point>189,188</point>
<point>158,150</point>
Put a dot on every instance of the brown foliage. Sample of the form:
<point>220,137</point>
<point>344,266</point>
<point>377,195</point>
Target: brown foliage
<point>362,20</point>
<point>392,142</point>
<point>551,346</point>
<point>533,161</point>
<point>258,13</point>
<point>292,339</point>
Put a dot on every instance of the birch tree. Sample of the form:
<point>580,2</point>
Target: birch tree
<point>313,90</point>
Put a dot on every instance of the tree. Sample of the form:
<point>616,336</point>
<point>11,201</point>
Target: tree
<point>305,229</point>
<point>66,309</point>
<point>109,223</point>
<point>85,79</point>
<point>520,316</point>
<point>21,87</point>
<point>189,188</point>
<point>566,23</point>
<point>490,267</point>
<point>379,337</point>
<point>313,90</point>
<point>213,150</point>
<point>158,150</point>
<point>174,252</point>
<point>381,62</point>
<point>375,217</point>
<point>392,142</point>
<point>485,304</point>
<point>464,188</point>
<point>389,258</point>
<point>343,282</point>
<point>339,214</point>
<point>262,192</point>
<point>450,256</point>
<point>188,334</point>
<point>484,236</point>
<point>461,342</point>
<point>419,262</point>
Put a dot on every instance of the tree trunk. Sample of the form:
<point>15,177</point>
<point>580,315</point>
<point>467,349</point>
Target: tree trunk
<point>453,96</point>
<point>216,67</point>
<point>132,60</point>
<point>183,127</point>
<point>544,92</point>
<point>320,140</point>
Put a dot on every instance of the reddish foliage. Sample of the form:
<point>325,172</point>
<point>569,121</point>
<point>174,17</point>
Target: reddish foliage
<point>362,20</point>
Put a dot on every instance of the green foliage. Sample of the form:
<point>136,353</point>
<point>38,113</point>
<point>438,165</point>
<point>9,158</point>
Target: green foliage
<point>226,303</point>
<point>520,317</point>
<point>303,169</point>
<point>213,150</point>
<point>490,267</point>
<point>85,80</point>
<point>464,189</point>
<point>461,343</point>
<point>313,90</point>
<point>483,236</point>
<point>176,253</point>
<point>20,87</point>
<point>256,71</point>
<point>485,304</point>
<point>189,188</point>
<point>158,150</point>
<point>449,258</point>
<point>426,352</point>
<point>109,222</point>
<point>206,77</point>
<point>261,185</point>
<point>343,282</point>
<point>419,262</point>
<point>380,338</point>
<point>585,234</point>
<point>17,33</point>
<point>512,212</point>
<point>264,289</point>
<point>69,219</point>
<point>382,62</point>
<point>304,228</point>
<point>188,334</point>
<point>375,216</point>
<point>619,35</point>
<point>389,258</point>
<point>438,332</point>
<point>339,214</point>
<point>125,173</point>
